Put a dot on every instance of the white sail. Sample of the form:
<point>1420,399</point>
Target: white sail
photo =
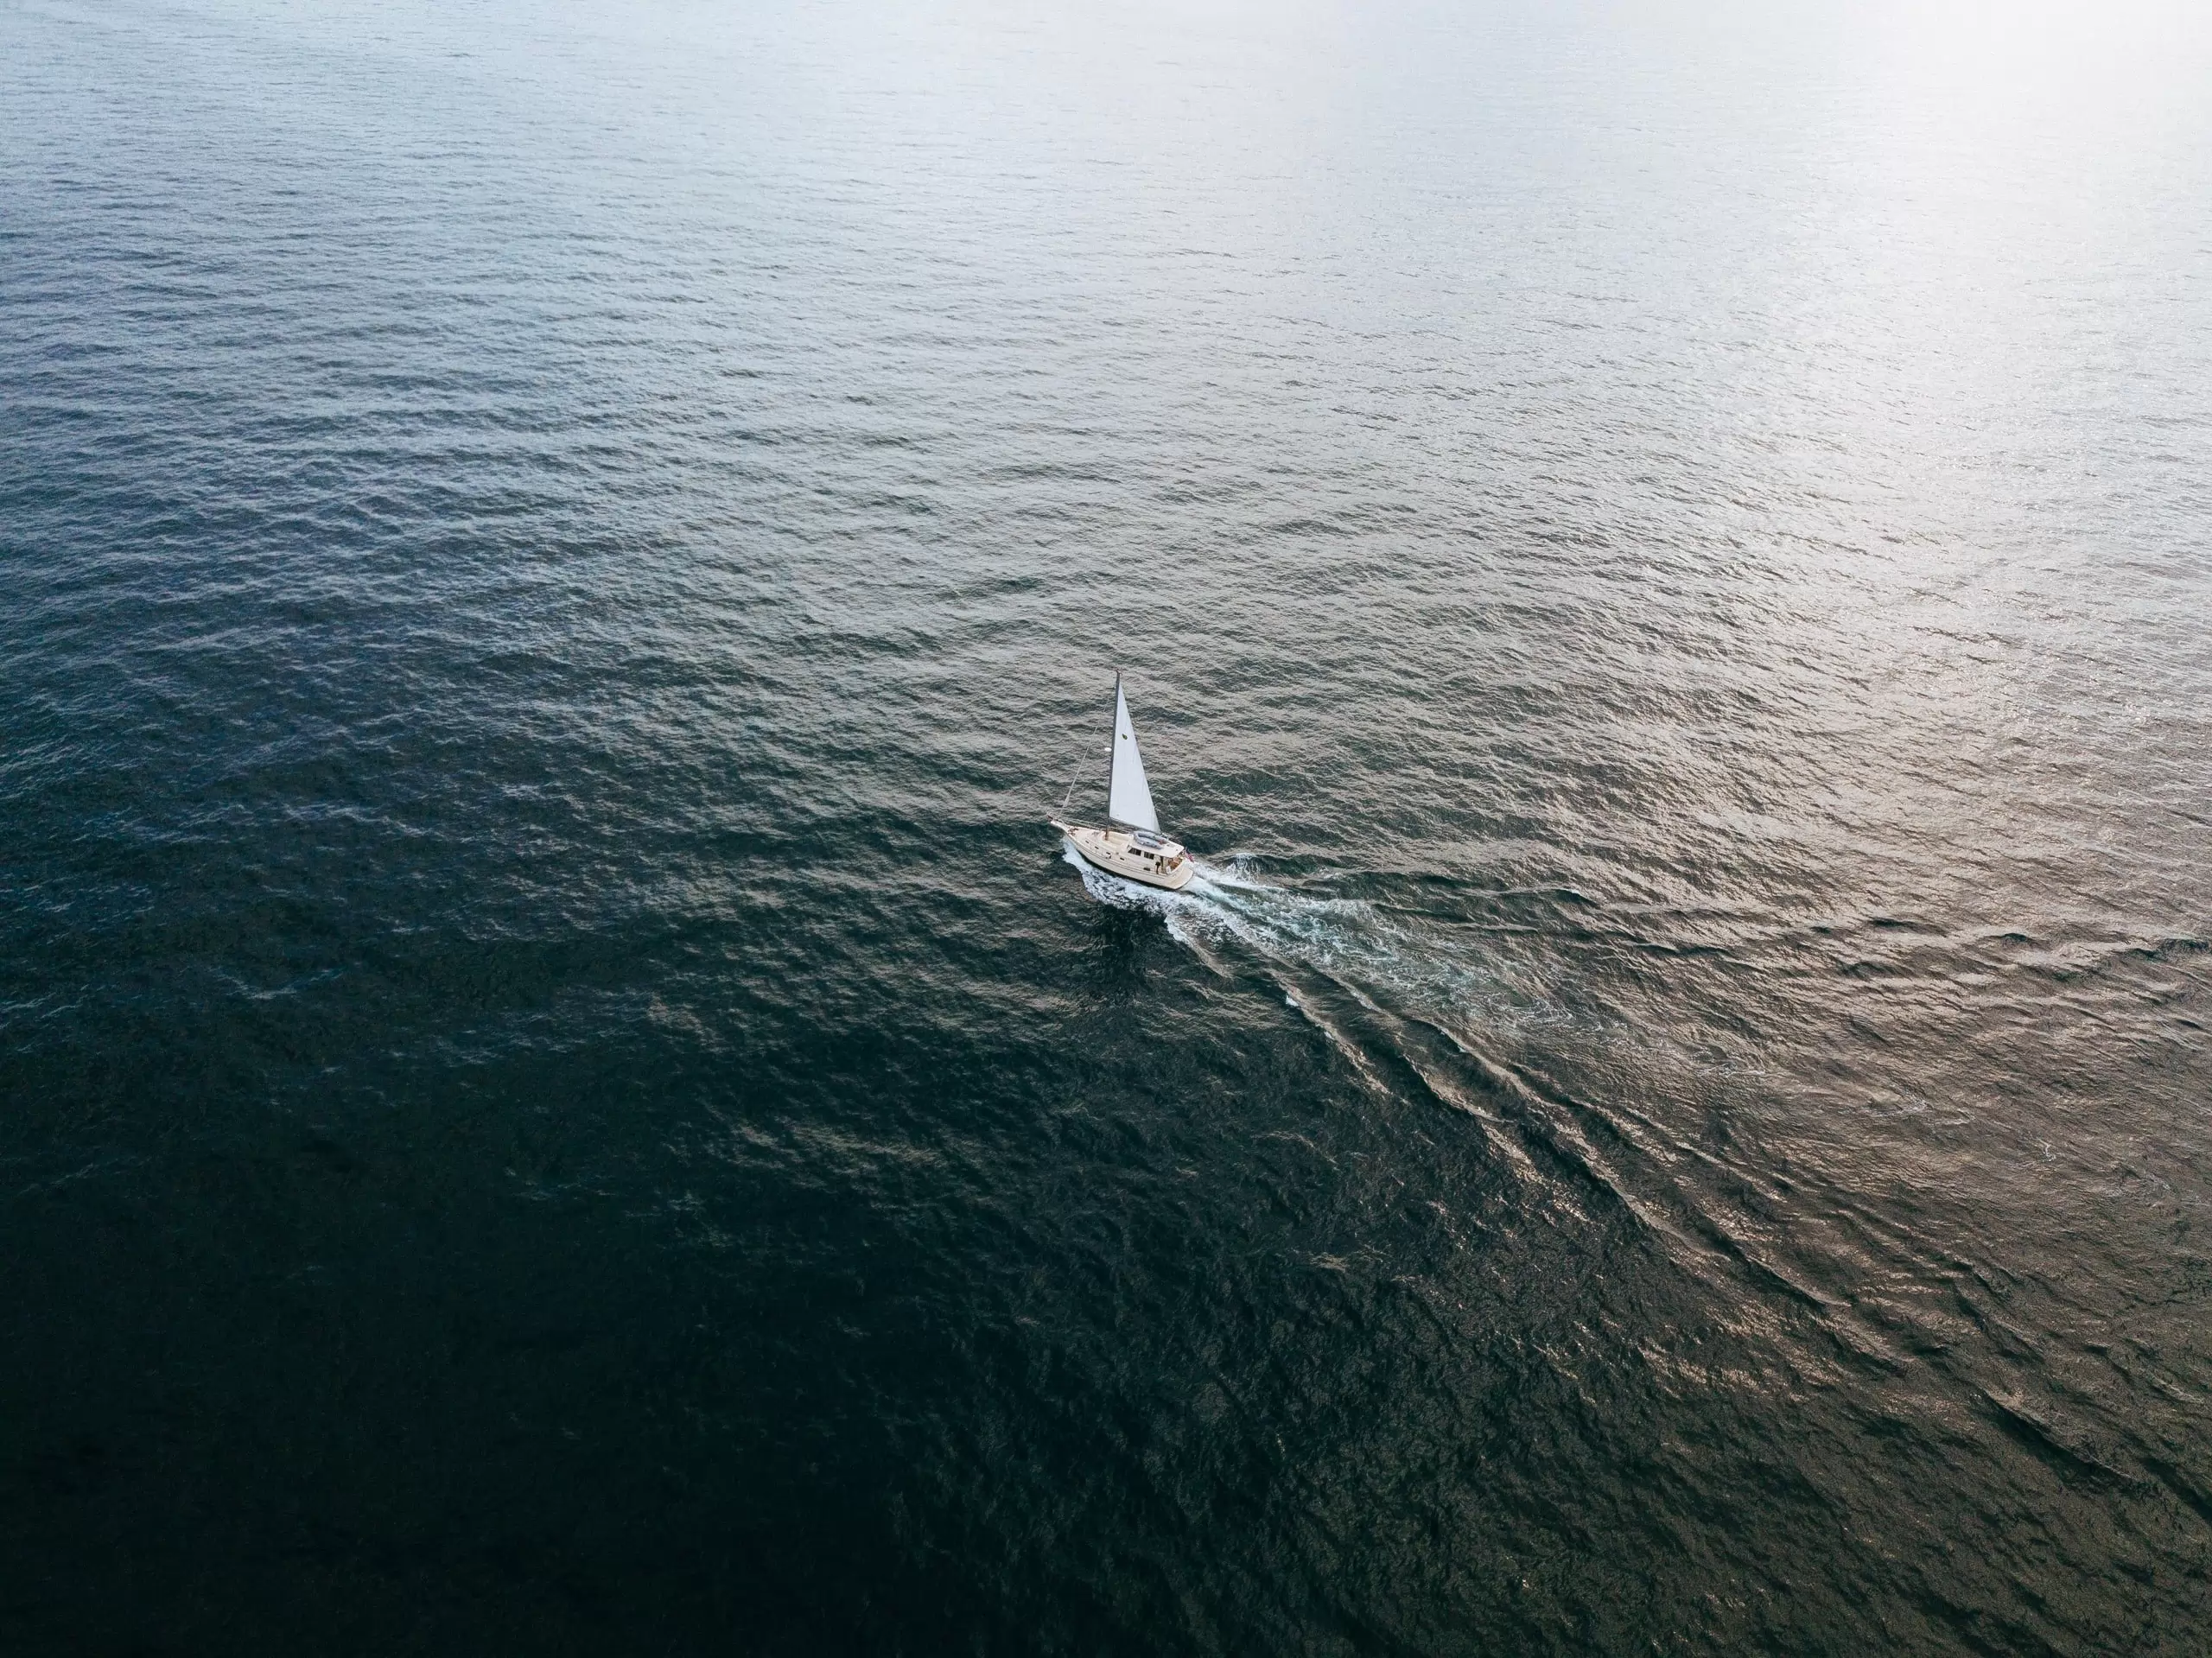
<point>1128,798</point>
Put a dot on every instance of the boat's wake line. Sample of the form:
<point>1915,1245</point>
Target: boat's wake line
<point>1418,1016</point>
<point>1348,940</point>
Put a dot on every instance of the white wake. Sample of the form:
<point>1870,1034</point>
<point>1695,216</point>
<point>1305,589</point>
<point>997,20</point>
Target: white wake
<point>1347,940</point>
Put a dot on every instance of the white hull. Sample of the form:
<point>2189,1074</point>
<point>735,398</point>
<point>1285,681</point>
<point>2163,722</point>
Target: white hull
<point>1152,859</point>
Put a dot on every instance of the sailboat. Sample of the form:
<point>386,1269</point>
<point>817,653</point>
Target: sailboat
<point>1131,845</point>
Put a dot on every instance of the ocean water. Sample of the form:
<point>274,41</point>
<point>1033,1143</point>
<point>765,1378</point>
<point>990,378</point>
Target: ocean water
<point>557,1093</point>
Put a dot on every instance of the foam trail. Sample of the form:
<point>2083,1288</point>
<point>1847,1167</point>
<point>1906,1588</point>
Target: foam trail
<point>1371,987</point>
<point>1345,940</point>
<point>1331,956</point>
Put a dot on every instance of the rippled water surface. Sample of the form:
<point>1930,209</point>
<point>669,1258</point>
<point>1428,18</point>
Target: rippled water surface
<point>558,1095</point>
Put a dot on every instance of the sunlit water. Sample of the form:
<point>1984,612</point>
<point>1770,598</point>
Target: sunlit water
<point>558,1093</point>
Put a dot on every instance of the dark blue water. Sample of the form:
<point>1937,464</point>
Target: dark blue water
<point>556,1093</point>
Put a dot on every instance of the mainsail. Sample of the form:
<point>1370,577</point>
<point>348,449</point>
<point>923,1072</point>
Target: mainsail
<point>1128,798</point>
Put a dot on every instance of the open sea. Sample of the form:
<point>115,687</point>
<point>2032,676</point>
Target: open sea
<point>559,1096</point>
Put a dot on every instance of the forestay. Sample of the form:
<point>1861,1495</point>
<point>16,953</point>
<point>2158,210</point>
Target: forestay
<point>1128,798</point>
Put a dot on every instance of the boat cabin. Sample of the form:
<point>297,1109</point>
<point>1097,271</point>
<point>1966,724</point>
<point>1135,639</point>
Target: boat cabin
<point>1154,848</point>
